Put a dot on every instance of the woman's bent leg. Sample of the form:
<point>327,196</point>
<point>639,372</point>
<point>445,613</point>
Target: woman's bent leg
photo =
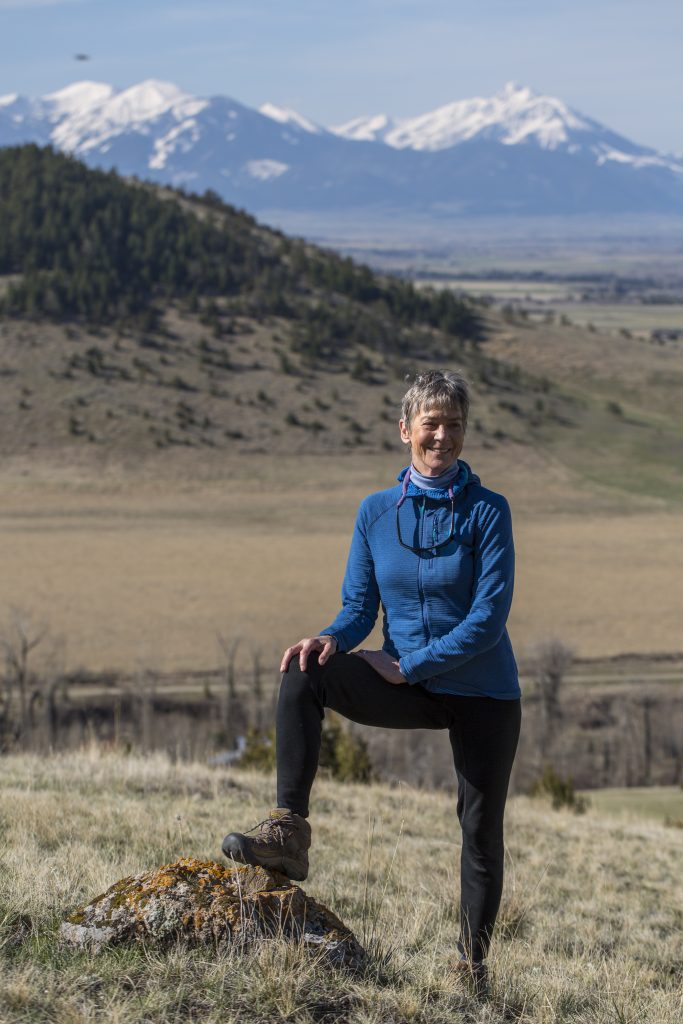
<point>484,737</point>
<point>298,728</point>
<point>349,685</point>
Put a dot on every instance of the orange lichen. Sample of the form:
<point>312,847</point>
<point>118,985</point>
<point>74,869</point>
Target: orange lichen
<point>202,901</point>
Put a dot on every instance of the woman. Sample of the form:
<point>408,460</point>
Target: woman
<point>436,552</point>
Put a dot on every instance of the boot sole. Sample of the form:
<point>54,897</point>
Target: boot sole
<point>235,848</point>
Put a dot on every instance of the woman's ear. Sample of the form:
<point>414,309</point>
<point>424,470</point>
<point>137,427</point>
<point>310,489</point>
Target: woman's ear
<point>405,433</point>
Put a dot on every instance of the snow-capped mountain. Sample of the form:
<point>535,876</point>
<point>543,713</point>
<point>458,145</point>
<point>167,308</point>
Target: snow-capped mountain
<point>513,152</point>
<point>147,128</point>
<point>514,116</point>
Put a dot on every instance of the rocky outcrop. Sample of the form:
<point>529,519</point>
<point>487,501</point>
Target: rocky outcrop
<point>204,902</point>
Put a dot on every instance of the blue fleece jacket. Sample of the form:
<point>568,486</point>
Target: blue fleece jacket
<point>444,610</point>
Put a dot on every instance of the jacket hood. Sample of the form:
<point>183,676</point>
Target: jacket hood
<point>464,478</point>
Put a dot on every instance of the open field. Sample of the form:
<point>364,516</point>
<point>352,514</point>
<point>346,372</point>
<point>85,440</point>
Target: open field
<point>136,571</point>
<point>590,929</point>
<point>657,803</point>
<point>613,316</point>
<point>564,299</point>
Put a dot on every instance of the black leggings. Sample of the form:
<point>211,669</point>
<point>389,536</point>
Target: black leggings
<point>483,734</point>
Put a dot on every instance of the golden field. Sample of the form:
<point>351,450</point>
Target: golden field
<point>140,567</point>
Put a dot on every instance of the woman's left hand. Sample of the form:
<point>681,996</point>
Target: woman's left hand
<point>384,664</point>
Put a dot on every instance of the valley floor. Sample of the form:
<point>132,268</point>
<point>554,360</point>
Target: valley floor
<point>132,571</point>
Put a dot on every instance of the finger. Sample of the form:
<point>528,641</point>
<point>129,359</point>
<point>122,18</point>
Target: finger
<point>288,655</point>
<point>326,651</point>
<point>306,647</point>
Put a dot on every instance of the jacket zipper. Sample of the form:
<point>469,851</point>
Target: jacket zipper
<point>420,570</point>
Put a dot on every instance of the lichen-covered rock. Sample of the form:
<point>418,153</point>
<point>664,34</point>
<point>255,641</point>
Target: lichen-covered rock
<point>204,902</point>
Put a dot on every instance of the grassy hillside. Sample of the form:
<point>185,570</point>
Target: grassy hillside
<point>624,391</point>
<point>136,319</point>
<point>590,928</point>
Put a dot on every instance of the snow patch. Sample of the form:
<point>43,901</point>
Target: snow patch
<point>134,110</point>
<point>151,99</point>
<point>286,116</point>
<point>179,139</point>
<point>606,153</point>
<point>365,129</point>
<point>514,115</point>
<point>78,97</point>
<point>266,170</point>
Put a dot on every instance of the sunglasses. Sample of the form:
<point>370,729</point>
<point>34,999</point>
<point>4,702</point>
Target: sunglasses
<point>432,547</point>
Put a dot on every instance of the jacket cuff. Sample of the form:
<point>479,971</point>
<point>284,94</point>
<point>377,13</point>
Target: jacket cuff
<point>338,636</point>
<point>410,670</point>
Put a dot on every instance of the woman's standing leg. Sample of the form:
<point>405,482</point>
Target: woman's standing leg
<point>484,734</point>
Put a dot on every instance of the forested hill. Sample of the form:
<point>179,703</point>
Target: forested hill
<point>89,245</point>
<point>136,319</point>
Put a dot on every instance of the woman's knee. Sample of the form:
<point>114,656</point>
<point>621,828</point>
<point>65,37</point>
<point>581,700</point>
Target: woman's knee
<point>482,825</point>
<point>298,684</point>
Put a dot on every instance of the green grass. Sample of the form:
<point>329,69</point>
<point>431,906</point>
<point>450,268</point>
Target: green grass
<point>655,803</point>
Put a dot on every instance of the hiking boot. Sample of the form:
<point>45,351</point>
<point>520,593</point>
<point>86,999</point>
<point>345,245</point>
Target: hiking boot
<point>472,975</point>
<point>281,844</point>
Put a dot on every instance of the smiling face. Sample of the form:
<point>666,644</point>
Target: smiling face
<point>436,437</point>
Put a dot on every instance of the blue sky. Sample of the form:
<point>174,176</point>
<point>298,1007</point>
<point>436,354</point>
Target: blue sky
<point>617,61</point>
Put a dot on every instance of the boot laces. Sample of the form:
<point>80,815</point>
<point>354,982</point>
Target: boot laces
<point>272,829</point>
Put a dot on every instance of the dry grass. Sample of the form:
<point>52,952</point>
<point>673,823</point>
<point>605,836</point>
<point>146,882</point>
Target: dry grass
<point>137,571</point>
<point>605,364</point>
<point>590,928</point>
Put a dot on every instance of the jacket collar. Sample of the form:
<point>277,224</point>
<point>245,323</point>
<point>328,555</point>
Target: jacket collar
<point>465,476</point>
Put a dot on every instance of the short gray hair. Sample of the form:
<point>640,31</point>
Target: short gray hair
<point>436,389</point>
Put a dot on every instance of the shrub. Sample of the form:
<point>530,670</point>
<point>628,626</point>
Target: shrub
<point>362,369</point>
<point>342,755</point>
<point>259,750</point>
<point>560,790</point>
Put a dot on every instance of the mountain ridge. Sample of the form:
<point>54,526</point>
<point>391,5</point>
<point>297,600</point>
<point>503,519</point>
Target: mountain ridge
<point>514,153</point>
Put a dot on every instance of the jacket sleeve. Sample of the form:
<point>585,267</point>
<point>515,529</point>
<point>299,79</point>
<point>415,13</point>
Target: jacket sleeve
<point>484,624</point>
<point>360,593</point>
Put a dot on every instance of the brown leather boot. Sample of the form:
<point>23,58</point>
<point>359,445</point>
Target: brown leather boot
<point>281,843</point>
<point>473,976</point>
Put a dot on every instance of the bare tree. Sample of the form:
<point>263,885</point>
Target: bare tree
<point>229,703</point>
<point>22,686</point>
<point>648,703</point>
<point>257,689</point>
<point>549,664</point>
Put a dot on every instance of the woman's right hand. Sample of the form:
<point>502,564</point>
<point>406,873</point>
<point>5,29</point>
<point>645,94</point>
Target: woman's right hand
<point>327,645</point>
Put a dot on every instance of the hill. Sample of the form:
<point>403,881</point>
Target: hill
<point>137,320</point>
<point>589,929</point>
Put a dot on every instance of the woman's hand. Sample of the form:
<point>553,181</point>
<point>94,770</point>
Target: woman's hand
<point>327,645</point>
<point>384,664</point>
